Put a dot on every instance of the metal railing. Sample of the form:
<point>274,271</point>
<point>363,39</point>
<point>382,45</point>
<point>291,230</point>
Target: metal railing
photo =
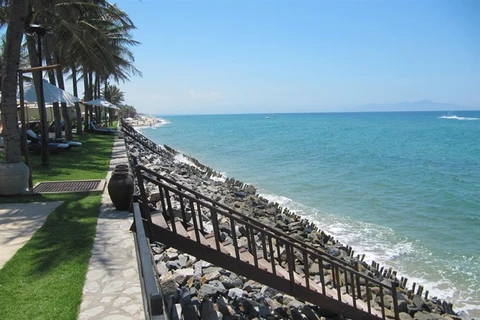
<point>152,296</point>
<point>140,138</point>
<point>273,257</point>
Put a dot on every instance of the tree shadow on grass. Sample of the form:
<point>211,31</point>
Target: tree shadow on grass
<point>67,235</point>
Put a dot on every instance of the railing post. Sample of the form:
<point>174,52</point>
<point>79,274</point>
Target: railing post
<point>306,270</point>
<point>382,298</point>
<point>322,277</point>
<point>291,266</point>
<point>195,223</point>
<point>216,230</point>
<point>272,254</point>
<point>170,211</point>
<point>234,237</point>
<point>156,304</point>
<point>395,301</point>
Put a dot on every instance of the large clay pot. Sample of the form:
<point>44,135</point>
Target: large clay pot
<point>13,178</point>
<point>120,189</point>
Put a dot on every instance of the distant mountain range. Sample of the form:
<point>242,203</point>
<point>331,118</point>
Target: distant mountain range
<point>422,105</point>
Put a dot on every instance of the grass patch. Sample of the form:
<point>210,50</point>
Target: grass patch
<point>90,161</point>
<point>86,162</point>
<point>45,278</point>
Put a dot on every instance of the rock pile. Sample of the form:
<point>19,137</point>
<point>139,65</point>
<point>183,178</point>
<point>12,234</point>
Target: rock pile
<point>199,290</point>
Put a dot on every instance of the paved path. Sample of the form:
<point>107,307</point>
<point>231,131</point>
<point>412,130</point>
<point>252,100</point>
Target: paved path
<point>112,287</point>
<point>18,222</point>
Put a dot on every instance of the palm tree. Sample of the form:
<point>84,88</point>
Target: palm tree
<point>102,55</point>
<point>113,94</point>
<point>10,65</point>
<point>13,172</point>
<point>81,34</point>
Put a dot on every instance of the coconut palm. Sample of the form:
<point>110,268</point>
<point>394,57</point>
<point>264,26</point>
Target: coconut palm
<point>96,59</point>
<point>14,173</point>
<point>113,94</point>
<point>81,34</point>
<point>11,58</point>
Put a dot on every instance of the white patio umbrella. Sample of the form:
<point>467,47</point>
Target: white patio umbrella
<point>51,94</point>
<point>101,102</point>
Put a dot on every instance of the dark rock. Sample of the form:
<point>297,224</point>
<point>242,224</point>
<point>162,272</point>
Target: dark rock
<point>173,265</point>
<point>447,307</point>
<point>189,310</point>
<point>222,306</point>
<point>208,312</point>
<point>413,309</point>
<point>403,306</point>
<point>249,308</point>
<point>420,303</point>
<point>211,289</point>
<point>309,313</point>
<point>268,292</point>
<point>334,251</point>
<point>296,315</point>
<point>227,282</point>
<point>240,194</point>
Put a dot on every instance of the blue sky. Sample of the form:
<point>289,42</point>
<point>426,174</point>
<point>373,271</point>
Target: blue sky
<point>301,56</point>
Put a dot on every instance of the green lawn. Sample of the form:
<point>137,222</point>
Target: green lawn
<point>44,279</point>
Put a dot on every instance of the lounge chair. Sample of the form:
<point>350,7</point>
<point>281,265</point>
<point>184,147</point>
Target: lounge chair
<point>32,136</point>
<point>98,129</point>
<point>53,147</point>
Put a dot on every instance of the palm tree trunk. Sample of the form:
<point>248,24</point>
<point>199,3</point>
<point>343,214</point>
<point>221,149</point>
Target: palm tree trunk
<point>65,114</point>
<point>87,98</point>
<point>11,58</point>
<point>77,105</point>
<point>57,118</point>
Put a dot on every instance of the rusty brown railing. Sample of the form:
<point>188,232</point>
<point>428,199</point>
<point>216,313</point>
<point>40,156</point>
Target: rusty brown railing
<point>241,244</point>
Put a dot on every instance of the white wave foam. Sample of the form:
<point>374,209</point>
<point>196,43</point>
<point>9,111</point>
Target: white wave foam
<point>458,118</point>
<point>383,245</point>
<point>181,158</point>
<point>161,122</point>
<point>221,178</point>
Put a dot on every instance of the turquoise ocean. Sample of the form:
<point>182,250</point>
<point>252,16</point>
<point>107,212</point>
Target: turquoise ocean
<point>403,188</point>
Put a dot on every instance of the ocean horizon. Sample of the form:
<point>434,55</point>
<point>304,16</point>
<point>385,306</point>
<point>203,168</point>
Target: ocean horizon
<point>403,188</point>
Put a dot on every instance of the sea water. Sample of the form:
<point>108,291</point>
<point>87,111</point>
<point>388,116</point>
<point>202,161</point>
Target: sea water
<point>402,188</point>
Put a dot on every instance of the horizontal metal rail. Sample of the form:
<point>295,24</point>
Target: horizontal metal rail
<point>152,296</point>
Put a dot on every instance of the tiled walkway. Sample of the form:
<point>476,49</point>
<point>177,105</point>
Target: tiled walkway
<point>112,287</point>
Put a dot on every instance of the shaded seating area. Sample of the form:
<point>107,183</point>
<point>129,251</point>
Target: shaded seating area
<point>99,129</point>
<point>53,145</point>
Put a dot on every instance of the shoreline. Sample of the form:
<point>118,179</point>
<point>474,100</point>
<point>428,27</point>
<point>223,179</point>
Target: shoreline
<point>143,121</point>
<point>168,160</point>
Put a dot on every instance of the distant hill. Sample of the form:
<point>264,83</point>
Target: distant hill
<point>422,105</point>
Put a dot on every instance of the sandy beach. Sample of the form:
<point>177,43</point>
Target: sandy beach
<point>143,121</point>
